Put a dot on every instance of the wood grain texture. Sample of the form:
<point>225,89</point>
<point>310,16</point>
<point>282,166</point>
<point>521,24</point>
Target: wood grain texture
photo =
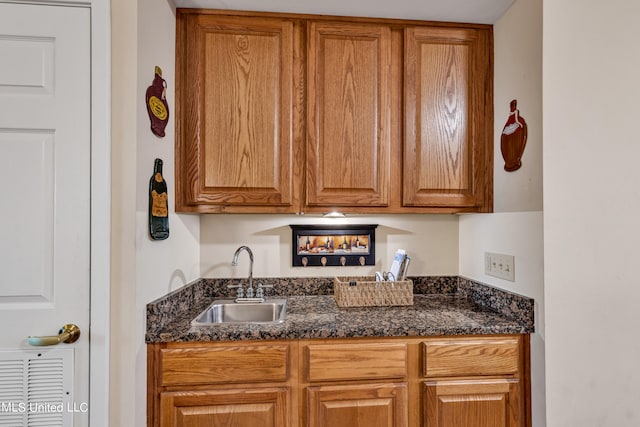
<point>222,365</point>
<point>525,360</point>
<point>371,405</point>
<point>355,361</point>
<point>348,111</point>
<point>469,357</point>
<point>472,403</point>
<point>268,407</point>
<point>153,385</point>
<point>473,381</point>
<point>280,113</point>
<point>446,73</point>
<point>235,88</point>
<point>240,103</point>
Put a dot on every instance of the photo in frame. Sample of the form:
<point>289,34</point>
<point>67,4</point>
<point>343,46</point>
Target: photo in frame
<point>333,245</point>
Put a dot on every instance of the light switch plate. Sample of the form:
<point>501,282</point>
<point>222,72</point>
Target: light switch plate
<point>500,265</point>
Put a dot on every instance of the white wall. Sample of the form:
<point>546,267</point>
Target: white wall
<point>162,266</point>
<point>591,199</point>
<point>431,241</point>
<point>123,211</point>
<point>516,227</point>
<point>143,37</point>
<point>518,234</point>
<point>518,75</point>
<point>168,264</point>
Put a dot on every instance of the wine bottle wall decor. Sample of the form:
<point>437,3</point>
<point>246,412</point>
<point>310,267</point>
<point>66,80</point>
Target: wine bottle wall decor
<point>158,204</point>
<point>513,139</point>
<point>157,106</point>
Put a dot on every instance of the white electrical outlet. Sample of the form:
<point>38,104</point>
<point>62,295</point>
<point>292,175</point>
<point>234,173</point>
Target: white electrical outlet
<point>499,265</point>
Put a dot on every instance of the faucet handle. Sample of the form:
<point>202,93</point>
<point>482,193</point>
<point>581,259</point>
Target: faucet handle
<point>240,292</point>
<point>260,290</point>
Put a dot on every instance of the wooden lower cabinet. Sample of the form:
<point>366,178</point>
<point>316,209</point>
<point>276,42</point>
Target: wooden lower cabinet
<point>472,403</point>
<point>475,381</point>
<point>461,381</point>
<point>371,405</point>
<point>267,407</point>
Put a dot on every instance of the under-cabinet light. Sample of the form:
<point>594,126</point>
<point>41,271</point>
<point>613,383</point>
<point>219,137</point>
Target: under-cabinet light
<point>333,214</point>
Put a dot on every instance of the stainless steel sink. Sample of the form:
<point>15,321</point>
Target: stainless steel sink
<point>228,311</point>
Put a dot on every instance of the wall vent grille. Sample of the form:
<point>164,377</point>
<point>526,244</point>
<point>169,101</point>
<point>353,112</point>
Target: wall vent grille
<point>36,388</point>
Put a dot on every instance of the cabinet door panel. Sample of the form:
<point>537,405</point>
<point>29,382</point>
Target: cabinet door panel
<point>348,115</point>
<point>447,137</point>
<point>229,408</point>
<point>235,139</point>
<point>472,403</point>
<point>371,405</point>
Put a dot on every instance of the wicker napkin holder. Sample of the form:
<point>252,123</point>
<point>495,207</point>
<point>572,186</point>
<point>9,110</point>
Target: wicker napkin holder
<point>366,292</point>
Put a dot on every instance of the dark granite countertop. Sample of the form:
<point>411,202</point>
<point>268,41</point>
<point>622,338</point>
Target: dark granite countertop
<point>448,305</point>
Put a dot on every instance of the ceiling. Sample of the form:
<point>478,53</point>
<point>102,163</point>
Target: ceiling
<point>475,11</point>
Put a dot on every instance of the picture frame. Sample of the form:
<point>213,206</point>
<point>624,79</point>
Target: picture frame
<point>333,245</point>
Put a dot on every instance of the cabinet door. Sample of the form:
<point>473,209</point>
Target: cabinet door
<point>371,405</point>
<point>448,151</point>
<point>229,408</point>
<point>234,139</point>
<point>348,114</point>
<point>472,403</point>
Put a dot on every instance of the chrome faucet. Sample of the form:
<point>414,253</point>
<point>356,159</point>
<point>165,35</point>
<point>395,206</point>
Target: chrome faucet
<point>234,262</point>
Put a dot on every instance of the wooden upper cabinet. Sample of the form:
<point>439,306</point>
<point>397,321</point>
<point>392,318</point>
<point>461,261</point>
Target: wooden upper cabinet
<point>281,113</point>
<point>234,136</point>
<point>348,114</point>
<point>448,118</point>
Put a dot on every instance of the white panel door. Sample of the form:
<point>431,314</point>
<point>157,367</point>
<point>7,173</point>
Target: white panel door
<point>44,209</point>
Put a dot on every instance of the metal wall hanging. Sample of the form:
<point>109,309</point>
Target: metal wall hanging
<point>333,245</point>
<point>513,139</point>
<point>157,106</point>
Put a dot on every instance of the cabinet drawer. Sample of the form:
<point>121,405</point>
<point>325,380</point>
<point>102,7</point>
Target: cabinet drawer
<point>224,364</point>
<point>246,407</point>
<point>478,356</point>
<point>355,361</point>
